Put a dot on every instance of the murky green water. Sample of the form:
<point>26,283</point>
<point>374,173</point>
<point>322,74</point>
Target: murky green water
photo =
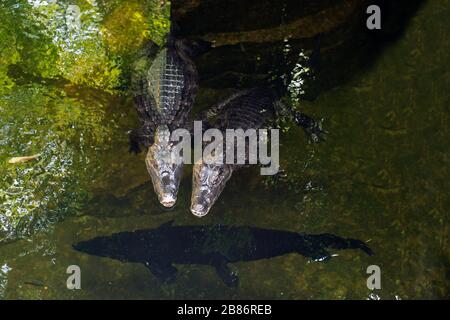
<point>381,176</point>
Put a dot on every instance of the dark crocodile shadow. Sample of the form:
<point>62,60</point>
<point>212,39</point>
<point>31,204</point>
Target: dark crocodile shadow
<point>158,249</point>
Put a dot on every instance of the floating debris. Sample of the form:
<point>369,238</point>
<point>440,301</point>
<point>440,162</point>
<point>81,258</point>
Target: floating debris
<point>17,160</point>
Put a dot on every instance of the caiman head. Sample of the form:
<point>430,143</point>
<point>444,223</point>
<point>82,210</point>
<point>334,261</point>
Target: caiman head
<point>208,182</point>
<point>164,169</point>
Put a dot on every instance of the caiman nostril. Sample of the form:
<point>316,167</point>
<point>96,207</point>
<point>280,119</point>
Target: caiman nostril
<point>168,200</point>
<point>165,180</point>
<point>198,210</point>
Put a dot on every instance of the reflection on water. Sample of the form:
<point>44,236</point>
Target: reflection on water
<point>61,129</point>
<point>4,279</point>
<point>380,176</point>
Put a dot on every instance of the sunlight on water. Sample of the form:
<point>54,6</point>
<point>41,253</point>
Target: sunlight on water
<point>61,39</point>
<point>39,195</point>
<point>75,33</point>
<point>4,279</point>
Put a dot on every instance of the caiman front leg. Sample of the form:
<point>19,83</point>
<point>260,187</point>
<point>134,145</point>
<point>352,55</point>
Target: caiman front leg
<point>312,128</point>
<point>142,136</point>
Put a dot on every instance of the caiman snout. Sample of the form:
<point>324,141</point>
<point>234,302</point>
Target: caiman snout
<point>199,210</point>
<point>167,200</point>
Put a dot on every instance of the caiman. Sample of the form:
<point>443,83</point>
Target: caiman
<point>164,98</point>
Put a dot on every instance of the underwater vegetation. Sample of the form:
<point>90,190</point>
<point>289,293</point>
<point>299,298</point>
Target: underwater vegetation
<point>62,62</point>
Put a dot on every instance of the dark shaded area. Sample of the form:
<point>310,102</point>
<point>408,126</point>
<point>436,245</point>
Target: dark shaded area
<point>137,201</point>
<point>360,47</point>
<point>217,246</point>
<point>236,15</point>
<point>347,46</point>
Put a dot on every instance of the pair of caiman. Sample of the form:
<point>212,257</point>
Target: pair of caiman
<point>164,99</point>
